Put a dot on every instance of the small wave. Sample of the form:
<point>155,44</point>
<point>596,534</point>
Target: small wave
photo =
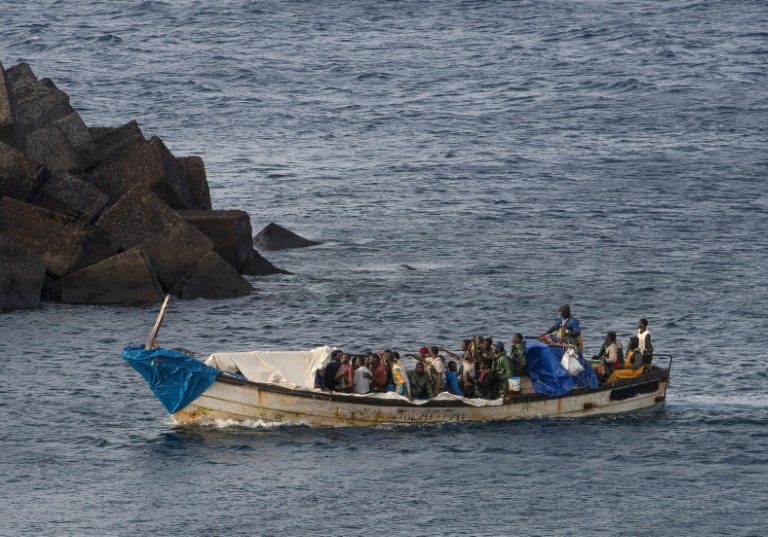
<point>109,38</point>
<point>374,75</point>
<point>747,400</point>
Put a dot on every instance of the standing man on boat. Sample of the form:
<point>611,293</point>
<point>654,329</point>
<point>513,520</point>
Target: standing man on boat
<point>399,377</point>
<point>501,368</point>
<point>644,343</point>
<point>567,327</point>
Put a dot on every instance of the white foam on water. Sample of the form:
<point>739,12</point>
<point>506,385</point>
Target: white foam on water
<point>750,400</point>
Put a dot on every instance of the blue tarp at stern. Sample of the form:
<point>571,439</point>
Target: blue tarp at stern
<point>175,378</point>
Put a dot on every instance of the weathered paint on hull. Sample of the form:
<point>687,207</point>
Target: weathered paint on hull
<point>241,402</point>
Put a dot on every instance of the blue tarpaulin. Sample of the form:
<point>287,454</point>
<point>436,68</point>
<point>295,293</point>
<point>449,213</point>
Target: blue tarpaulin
<point>548,376</point>
<point>176,379</point>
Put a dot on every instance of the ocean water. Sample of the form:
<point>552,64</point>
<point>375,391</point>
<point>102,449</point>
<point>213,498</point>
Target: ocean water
<point>517,155</point>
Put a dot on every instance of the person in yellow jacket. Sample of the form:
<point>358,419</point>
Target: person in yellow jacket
<point>633,362</point>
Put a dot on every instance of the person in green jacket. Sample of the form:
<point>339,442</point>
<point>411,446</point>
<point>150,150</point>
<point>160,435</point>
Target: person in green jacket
<point>518,363</point>
<point>422,385</point>
<point>501,368</point>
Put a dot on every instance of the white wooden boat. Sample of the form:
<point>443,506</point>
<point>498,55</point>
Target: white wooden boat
<point>274,396</point>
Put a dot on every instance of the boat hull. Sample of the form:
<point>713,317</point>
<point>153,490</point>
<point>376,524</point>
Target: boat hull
<point>234,399</point>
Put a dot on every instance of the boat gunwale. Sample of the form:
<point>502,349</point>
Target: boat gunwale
<point>657,374</point>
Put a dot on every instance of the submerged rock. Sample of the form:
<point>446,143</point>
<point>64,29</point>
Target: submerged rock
<point>257,265</point>
<point>230,232</point>
<point>212,277</point>
<point>275,237</point>
<point>22,273</point>
<point>126,278</point>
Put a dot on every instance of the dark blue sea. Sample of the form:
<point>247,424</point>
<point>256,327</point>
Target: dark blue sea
<point>518,155</point>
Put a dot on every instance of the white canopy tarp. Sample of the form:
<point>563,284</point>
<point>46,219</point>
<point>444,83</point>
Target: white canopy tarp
<point>296,370</point>
<point>292,369</point>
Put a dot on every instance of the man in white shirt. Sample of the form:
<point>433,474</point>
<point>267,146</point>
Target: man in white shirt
<point>361,381</point>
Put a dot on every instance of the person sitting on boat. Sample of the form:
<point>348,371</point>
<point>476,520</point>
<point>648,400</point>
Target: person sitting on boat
<point>452,379</point>
<point>320,380</point>
<point>567,327</point>
<point>344,376</point>
<point>362,377</point>
<point>332,368</point>
<point>421,383</point>
<point>609,356</point>
<point>486,385</point>
<point>501,367</point>
<point>645,345</point>
<point>379,372</point>
<point>633,363</point>
<point>399,376</point>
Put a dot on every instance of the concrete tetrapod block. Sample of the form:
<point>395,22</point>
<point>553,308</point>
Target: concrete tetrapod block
<point>7,121</point>
<point>64,193</point>
<point>147,163</point>
<point>20,176</point>
<point>230,232</point>
<point>194,170</point>
<point>140,218</point>
<point>65,243</point>
<point>111,141</point>
<point>64,143</point>
<point>126,278</point>
<point>256,265</point>
<point>212,278</point>
<point>275,237</point>
<point>22,273</point>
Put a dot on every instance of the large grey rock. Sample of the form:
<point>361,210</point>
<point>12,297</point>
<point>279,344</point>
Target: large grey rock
<point>22,273</point>
<point>147,163</point>
<point>256,265</point>
<point>50,145</point>
<point>141,218</point>
<point>65,243</point>
<point>7,122</point>
<point>20,176</point>
<point>126,278</point>
<point>230,232</point>
<point>194,170</point>
<point>275,237</point>
<point>212,278</point>
<point>21,72</point>
<point>67,194</point>
<point>111,141</point>
<point>50,130</point>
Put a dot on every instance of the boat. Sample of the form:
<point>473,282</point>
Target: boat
<point>278,386</point>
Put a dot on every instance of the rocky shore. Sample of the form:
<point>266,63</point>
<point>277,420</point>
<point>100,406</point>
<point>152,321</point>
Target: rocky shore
<point>102,215</point>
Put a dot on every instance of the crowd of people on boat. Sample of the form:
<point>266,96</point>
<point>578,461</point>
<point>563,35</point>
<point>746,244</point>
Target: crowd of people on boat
<point>482,368</point>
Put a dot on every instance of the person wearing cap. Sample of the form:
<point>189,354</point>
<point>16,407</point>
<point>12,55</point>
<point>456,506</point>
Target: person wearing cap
<point>501,367</point>
<point>567,327</point>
